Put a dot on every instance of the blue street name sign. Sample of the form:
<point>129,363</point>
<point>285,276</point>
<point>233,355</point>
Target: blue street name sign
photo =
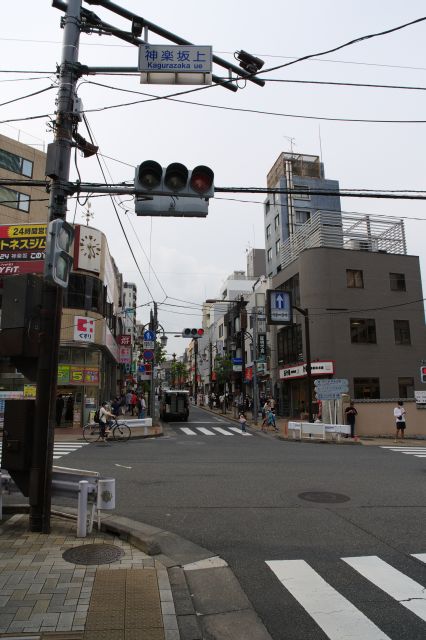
<point>149,335</point>
<point>237,361</point>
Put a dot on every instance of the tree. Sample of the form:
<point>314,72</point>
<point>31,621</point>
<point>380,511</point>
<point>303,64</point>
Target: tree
<point>160,353</point>
<point>223,369</point>
<point>178,371</point>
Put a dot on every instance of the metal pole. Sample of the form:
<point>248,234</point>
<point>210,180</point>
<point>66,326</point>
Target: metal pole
<point>255,390</point>
<point>51,312</point>
<point>153,327</point>
<point>308,364</point>
<point>83,492</point>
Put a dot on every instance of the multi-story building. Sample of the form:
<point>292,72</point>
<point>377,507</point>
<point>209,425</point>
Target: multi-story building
<point>285,213</point>
<point>363,296</point>
<point>92,303</point>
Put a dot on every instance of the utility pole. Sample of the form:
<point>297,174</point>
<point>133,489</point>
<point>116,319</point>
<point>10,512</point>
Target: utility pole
<point>305,314</point>
<point>51,312</point>
<point>153,323</point>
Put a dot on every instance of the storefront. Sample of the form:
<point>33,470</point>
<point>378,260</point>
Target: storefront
<point>79,383</point>
<point>293,387</point>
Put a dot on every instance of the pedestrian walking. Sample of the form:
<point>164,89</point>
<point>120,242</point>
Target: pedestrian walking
<point>60,403</point>
<point>270,417</point>
<point>399,415</point>
<point>243,421</point>
<point>350,414</point>
<point>134,403</point>
<point>141,407</point>
<point>129,401</point>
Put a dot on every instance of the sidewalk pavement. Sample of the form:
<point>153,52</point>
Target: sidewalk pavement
<point>143,584</point>
<point>69,434</point>
<point>282,432</point>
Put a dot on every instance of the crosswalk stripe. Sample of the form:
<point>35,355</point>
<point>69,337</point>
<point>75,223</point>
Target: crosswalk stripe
<point>405,448</point>
<point>420,556</point>
<point>60,449</point>
<point>406,591</point>
<point>205,431</point>
<point>335,615</point>
<point>241,433</point>
<point>223,431</point>
<point>188,431</point>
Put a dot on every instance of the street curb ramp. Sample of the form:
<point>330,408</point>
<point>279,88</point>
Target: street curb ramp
<point>209,601</point>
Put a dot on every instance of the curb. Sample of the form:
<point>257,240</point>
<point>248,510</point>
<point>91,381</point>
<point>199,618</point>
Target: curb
<point>209,601</point>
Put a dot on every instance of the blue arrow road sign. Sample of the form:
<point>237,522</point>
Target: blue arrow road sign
<point>279,307</point>
<point>149,335</point>
<point>141,368</point>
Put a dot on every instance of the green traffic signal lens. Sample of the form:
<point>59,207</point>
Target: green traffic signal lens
<point>176,176</point>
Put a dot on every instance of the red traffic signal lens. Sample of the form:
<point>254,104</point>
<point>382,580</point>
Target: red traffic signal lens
<point>202,179</point>
<point>200,332</point>
<point>149,174</point>
<point>176,176</point>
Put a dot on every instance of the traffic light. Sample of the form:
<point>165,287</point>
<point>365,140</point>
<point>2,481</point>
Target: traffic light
<point>192,333</point>
<point>173,191</point>
<point>58,261</point>
<point>423,374</point>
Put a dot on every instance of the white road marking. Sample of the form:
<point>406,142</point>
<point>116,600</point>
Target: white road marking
<point>205,431</point>
<point>189,432</point>
<point>223,431</point>
<point>336,616</point>
<point>241,433</point>
<point>405,448</point>
<point>420,556</point>
<point>122,465</point>
<point>406,591</point>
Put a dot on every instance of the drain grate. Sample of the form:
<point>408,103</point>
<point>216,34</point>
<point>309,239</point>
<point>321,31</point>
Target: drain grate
<point>326,497</point>
<point>93,554</point>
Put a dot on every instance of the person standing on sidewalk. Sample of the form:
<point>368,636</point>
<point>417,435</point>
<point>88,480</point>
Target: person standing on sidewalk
<point>243,421</point>
<point>351,413</point>
<point>399,415</point>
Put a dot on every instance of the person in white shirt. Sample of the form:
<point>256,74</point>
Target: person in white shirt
<point>399,415</point>
<point>104,420</point>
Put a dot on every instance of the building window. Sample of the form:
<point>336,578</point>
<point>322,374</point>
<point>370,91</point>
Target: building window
<point>397,281</point>
<point>363,330</point>
<point>293,286</point>
<point>220,330</point>
<point>302,216</point>
<point>16,164</point>
<point>304,195</point>
<point>354,279</point>
<point>366,388</point>
<point>14,199</point>
<point>268,231</point>
<point>289,344</point>
<point>405,387</point>
<point>401,330</point>
<point>277,248</point>
<point>269,255</point>
<point>85,292</point>
<point>277,222</point>
<point>267,207</point>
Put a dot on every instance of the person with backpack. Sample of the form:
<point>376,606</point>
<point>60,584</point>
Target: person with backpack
<point>104,420</point>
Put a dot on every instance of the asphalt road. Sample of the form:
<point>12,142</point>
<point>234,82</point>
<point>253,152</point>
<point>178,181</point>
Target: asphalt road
<point>352,575</point>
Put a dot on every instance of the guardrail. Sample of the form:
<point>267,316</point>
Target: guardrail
<point>318,429</point>
<point>93,493</point>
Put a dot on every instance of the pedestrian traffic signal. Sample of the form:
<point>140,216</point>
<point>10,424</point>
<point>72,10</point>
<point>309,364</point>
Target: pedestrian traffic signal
<point>58,261</point>
<point>173,191</point>
<point>192,333</point>
<point>423,374</point>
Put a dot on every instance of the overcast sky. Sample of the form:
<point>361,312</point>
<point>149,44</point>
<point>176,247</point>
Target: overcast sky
<point>191,258</point>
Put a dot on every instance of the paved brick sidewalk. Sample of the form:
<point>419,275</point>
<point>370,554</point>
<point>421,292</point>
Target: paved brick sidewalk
<point>42,593</point>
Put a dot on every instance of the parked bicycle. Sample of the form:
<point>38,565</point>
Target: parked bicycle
<point>115,431</point>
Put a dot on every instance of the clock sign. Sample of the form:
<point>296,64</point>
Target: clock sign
<point>87,249</point>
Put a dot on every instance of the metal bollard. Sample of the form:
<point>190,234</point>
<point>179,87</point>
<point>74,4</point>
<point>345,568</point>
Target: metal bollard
<point>83,493</point>
<point>106,496</point>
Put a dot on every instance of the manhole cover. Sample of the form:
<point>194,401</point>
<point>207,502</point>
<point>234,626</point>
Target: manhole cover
<point>93,554</point>
<point>323,496</point>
